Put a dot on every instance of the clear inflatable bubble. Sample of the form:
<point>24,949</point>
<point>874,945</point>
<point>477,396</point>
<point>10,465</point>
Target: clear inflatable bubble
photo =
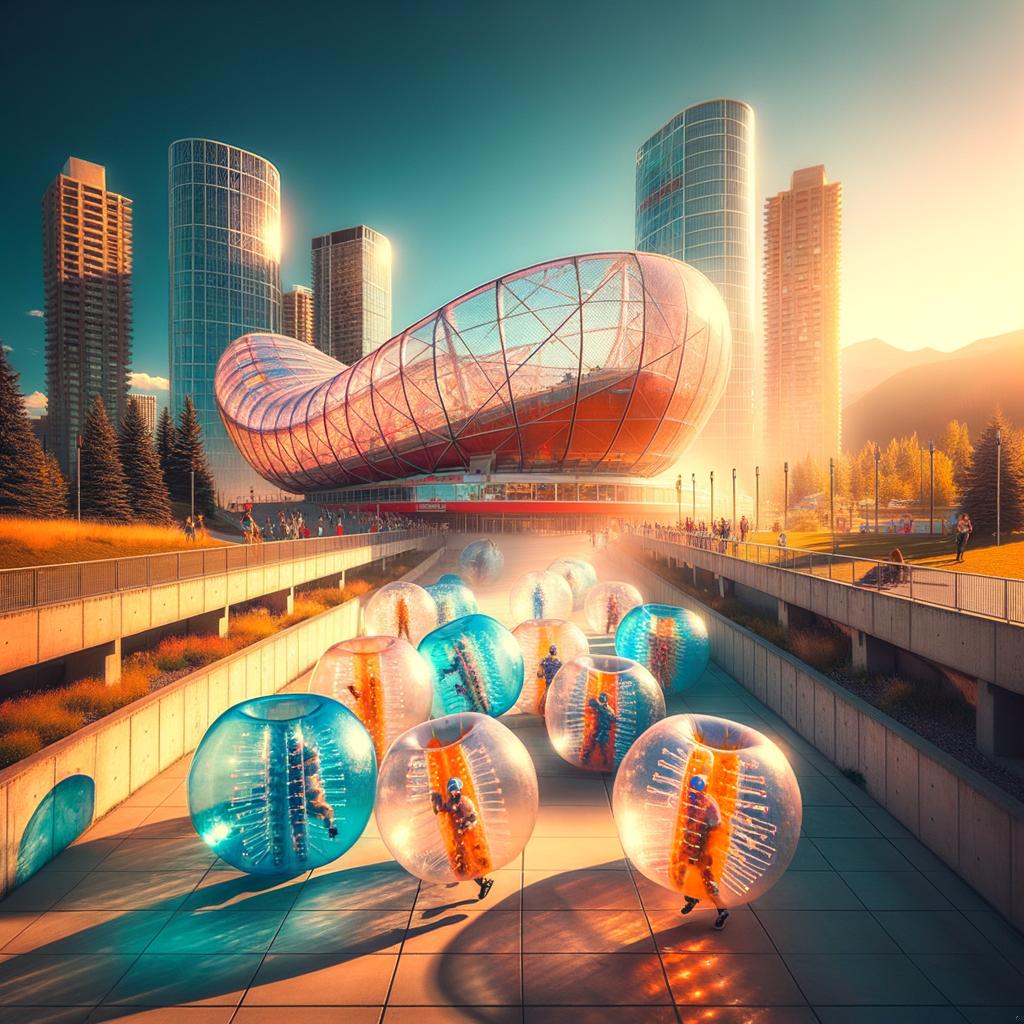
<point>457,798</point>
<point>597,706</point>
<point>540,595</point>
<point>579,574</point>
<point>481,562</point>
<point>382,679</point>
<point>401,609</point>
<point>546,645</point>
<point>450,577</point>
<point>453,600</point>
<point>606,603</point>
<point>672,642</point>
<point>282,784</point>
<point>708,808</point>
<point>477,666</point>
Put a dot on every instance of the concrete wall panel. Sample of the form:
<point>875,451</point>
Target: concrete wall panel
<point>872,755</point>
<point>773,675</point>
<point>236,681</point>
<point>196,710</point>
<point>825,721</point>
<point>787,688</point>
<point>172,727</point>
<point>215,593</point>
<point>237,590</point>
<point>1009,656</point>
<point>901,781</point>
<point>164,605</point>
<point>253,672</point>
<point>891,617</point>
<point>859,609</point>
<point>60,630</point>
<point>939,810</point>
<point>1017,875</point>
<point>24,795</point>
<point>19,640</point>
<point>969,650</point>
<point>113,765</point>
<point>984,845</point>
<point>847,735</point>
<point>805,706</point>
<point>191,598</point>
<point>145,745</point>
<point>218,692</point>
<point>135,611</point>
<point>101,620</point>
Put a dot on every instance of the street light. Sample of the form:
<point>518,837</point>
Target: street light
<point>712,497</point>
<point>832,501</point>
<point>785,496</point>
<point>878,456</point>
<point>78,474</point>
<point>757,498</point>
<point>732,526</point>
<point>999,482</point>
<point>192,490</point>
<point>679,499</point>
<point>931,487</point>
<point>693,484</point>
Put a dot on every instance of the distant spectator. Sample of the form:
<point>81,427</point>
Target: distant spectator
<point>190,529</point>
<point>964,529</point>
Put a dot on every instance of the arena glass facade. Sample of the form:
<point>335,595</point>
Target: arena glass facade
<point>589,367</point>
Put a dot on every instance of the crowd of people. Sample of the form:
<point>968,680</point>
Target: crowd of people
<point>713,536</point>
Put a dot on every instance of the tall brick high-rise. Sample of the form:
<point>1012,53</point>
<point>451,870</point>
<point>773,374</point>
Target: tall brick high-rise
<point>87,279</point>
<point>297,313</point>
<point>802,245</point>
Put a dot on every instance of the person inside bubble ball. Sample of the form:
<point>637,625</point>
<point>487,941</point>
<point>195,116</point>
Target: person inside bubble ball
<point>464,819</point>
<point>703,817</point>
<point>612,613</point>
<point>538,601</point>
<point>402,615</point>
<point>467,683</point>
<point>606,718</point>
<point>317,805</point>
<point>546,670</point>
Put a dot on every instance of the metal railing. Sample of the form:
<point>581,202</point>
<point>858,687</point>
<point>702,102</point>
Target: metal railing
<point>72,581</point>
<point>995,597</point>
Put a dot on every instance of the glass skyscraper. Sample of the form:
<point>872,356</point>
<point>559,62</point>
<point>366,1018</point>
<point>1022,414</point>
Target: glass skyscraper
<point>695,201</point>
<point>225,281</point>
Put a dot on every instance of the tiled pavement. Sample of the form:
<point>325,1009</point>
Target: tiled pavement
<point>139,922</point>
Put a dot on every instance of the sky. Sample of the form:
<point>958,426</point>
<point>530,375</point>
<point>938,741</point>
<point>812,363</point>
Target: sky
<point>484,137</point>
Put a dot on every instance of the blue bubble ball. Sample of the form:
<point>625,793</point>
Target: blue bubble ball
<point>283,784</point>
<point>453,600</point>
<point>481,561</point>
<point>477,665</point>
<point>450,577</point>
<point>672,643</point>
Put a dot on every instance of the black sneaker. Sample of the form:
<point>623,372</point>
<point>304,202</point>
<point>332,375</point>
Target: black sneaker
<point>690,904</point>
<point>723,916</point>
<point>485,887</point>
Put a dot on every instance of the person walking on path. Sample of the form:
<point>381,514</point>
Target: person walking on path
<point>964,529</point>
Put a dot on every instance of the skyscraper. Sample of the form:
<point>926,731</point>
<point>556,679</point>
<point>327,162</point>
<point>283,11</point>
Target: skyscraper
<point>802,238</point>
<point>695,201</point>
<point>87,280</point>
<point>147,406</point>
<point>225,281</point>
<point>351,292</point>
<point>297,313</point>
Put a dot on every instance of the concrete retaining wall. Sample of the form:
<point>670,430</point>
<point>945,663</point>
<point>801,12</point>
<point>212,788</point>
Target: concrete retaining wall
<point>970,824</point>
<point>47,799</point>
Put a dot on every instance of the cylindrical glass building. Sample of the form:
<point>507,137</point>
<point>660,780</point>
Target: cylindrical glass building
<point>695,201</point>
<point>225,281</point>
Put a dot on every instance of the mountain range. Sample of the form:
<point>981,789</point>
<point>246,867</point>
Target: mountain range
<point>890,392</point>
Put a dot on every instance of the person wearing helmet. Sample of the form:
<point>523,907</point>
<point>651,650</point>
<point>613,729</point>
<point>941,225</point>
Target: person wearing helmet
<point>702,818</point>
<point>464,819</point>
<point>546,670</point>
<point>612,613</point>
<point>606,718</point>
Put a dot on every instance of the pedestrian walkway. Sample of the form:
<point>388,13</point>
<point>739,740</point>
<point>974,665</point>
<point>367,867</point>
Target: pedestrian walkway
<point>139,921</point>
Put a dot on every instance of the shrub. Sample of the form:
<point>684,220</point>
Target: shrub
<point>175,653</point>
<point>42,713</point>
<point>253,625</point>
<point>930,699</point>
<point>855,776</point>
<point>18,744</point>
<point>823,648</point>
<point>94,698</point>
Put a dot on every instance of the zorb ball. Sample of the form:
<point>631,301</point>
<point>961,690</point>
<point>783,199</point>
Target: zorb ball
<point>457,798</point>
<point>401,609</point>
<point>282,784</point>
<point>606,603</point>
<point>597,706</point>
<point>450,577</point>
<point>672,642</point>
<point>382,679</point>
<point>708,808</point>
<point>481,561</point>
<point>540,595</point>
<point>580,576</point>
<point>453,600</point>
<point>477,666</point>
<point>547,644</point>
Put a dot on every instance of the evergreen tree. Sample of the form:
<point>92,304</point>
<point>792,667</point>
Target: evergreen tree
<point>23,490</point>
<point>54,488</point>
<point>147,491</point>
<point>166,435</point>
<point>104,491</point>
<point>979,497</point>
<point>956,443</point>
<point>189,455</point>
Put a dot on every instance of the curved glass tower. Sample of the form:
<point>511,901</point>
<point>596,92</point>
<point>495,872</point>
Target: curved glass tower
<point>225,281</point>
<point>695,201</point>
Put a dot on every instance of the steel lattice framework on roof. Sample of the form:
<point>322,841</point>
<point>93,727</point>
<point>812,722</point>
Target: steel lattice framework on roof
<point>604,363</point>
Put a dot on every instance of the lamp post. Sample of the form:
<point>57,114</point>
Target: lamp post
<point>999,482</point>
<point>732,525</point>
<point>878,456</point>
<point>192,491</point>
<point>693,484</point>
<point>931,487</point>
<point>920,476</point>
<point>785,496</point>
<point>712,506</point>
<point>78,476</point>
<point>832,501</point>
<point>679,499</point>
<point>757,498</point>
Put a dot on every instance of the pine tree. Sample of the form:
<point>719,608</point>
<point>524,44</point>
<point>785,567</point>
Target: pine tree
<point>956,443</point>
<point>54,488</point>
<point>166,435</point>
<point>979,497</point>
<point>23,490</point>
<point>104,492</point>
<point>147,491</point>
<point>189,455</point>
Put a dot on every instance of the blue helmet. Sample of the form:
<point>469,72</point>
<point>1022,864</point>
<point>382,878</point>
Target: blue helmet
<point>454,785</point>
<point>699,783</point>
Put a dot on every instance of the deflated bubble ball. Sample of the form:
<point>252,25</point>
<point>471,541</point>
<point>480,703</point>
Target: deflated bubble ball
<point>672,642</point>
<point>282,784</point>
<point>708,807</point>
<point>606,603</point>
<point>453,600</point>
<point>540,595</point>
<point>547,644</point>
<point>579,574</point>
<point>481,562</point>
<point>477,666</point>
<point>382,679</point>
<point>401,609</point>
<point>457,798</point>
<point>597,706</point>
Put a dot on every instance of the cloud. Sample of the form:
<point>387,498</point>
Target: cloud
<point>148,382</point>
<point>34,312</point>
<point>36,403</point>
